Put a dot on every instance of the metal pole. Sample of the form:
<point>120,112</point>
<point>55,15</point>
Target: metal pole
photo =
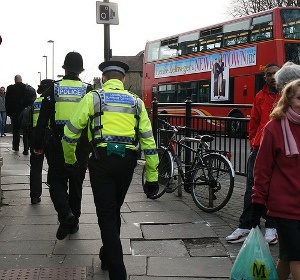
<point>51,41</point>
<point>107,52</point>
<point>46,65</point>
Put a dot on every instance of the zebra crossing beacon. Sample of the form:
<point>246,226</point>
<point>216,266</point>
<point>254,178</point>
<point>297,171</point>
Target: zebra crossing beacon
<point>117,121</point>
<point>65,182</point>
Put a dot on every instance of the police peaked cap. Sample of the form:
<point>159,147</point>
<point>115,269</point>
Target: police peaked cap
<point>111,65</point>
<point>73,63</point>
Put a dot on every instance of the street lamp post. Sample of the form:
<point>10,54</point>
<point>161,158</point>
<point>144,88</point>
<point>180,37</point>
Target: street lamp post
<point>40,76</point>
<point>46,65</point>
<point>51,41</point>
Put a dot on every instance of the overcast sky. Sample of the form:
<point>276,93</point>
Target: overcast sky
<point>26,26</point>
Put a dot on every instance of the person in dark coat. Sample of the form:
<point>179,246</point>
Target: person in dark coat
<point>17,98</point>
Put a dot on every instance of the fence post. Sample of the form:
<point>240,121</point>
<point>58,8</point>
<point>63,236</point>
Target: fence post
<point>188,115</point>
<point>188,124</point>
<point>154,118</point>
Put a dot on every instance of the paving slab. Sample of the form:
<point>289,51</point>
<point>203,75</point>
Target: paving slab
<point>167,248</point>
<point>205,247</point>
<point>28,209</point>
<point>17,247</point>
<point>193,267</point>
<point>177,231</point>
<point>84,247</point>
<point>157,206</point>
<point>30,261</point>
<point>28,232</point>
<point>162,217</point>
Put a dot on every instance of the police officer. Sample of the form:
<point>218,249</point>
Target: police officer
<point>117,121</point>
<point>60,101</point>
<point>36,161</point>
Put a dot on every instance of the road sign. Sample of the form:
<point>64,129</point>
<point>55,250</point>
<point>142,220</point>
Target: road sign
<point>107,13</point>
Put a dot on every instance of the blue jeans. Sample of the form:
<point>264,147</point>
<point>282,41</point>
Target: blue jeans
<point>247,210</point>
<point>2,122</point>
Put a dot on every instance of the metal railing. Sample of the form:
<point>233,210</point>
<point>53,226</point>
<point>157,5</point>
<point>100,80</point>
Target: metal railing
<point>231,134</point>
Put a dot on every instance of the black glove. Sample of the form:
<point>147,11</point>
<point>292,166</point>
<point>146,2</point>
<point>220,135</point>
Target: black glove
<point>257,210</point>
<point>151,189</point>
<point>73,168</point>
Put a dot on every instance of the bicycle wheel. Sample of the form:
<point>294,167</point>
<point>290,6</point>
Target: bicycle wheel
<point>165,171</point>
<point>212,182</point>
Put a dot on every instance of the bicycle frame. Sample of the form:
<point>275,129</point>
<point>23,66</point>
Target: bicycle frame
<point>200,152</point>
<point>178,144</point>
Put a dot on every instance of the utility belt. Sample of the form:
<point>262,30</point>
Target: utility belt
<point>118,149</point>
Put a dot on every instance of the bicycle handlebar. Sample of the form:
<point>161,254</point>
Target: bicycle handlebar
<point>196,139</point>
<point>174,128</point>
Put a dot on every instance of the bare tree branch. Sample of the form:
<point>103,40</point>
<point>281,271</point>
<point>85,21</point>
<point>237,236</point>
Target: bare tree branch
<point>248,7</point>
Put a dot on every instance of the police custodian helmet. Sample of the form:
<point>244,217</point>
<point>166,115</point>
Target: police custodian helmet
<point>73,63</point>
<point>111,65</point>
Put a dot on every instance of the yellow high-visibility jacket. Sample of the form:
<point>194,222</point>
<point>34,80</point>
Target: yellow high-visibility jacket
<point>36,110</point>
<point>67,94</point>
<point>112,115</point>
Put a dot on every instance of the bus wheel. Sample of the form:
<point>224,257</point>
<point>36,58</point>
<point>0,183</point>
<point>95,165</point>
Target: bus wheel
<point>237,128</point>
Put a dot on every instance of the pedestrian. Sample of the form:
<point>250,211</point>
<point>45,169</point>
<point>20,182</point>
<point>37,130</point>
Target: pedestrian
<point>65,186</point>
<point>117,121</point>
<point>264,101</point>
<point>276,177</point>
<point>2,112</point>
<point>18,96</point>
<point>36,161</point>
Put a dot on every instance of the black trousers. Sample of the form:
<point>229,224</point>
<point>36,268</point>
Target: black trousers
<point>16,134</point>
<point>65,187</point>
<point>245,218</point>
<point>110,178</point>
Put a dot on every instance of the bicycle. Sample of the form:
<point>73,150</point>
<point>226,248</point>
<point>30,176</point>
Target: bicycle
<point>209,178</point>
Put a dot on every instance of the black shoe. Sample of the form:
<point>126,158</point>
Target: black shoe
<point>104,265</point>
<point>15,149</point>
<point>64,227</point>
<point>25,153</point>
<point>35,200</point>
<point>74,228</point>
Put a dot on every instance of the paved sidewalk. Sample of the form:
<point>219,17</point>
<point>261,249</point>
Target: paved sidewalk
<point>168,238</point>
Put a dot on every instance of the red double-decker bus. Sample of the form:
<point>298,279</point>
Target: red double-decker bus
<point>222,63</point>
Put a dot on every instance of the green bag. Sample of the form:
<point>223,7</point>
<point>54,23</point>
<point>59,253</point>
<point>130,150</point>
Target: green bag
<point>254,260</point>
